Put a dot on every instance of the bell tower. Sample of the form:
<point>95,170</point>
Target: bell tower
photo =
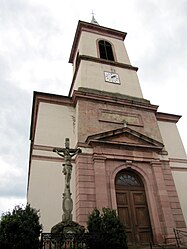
<point>100,61</point>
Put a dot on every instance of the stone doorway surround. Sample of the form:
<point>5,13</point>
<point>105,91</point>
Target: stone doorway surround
<point>122,149</point>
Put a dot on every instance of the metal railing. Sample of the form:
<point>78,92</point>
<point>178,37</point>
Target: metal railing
<point>68,240</point>
<point>181,237</point>
<point>80,241</point>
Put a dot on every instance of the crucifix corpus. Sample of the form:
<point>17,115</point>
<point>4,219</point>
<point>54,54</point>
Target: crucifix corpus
<point>67,153</point>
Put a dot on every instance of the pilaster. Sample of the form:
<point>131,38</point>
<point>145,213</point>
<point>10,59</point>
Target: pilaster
<point>165,212</point>
<point>85,200</point>
<point>100,182</point>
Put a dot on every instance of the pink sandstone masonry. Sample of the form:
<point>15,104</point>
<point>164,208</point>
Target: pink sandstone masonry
<point>115,148</point>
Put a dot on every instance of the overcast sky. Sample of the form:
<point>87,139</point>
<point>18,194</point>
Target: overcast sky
<point>35,43</point>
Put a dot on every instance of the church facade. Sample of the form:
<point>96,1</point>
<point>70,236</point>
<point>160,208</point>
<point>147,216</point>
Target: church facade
<point>132,159</point>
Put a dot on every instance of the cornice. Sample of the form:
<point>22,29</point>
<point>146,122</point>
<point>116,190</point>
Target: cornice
<point>127,146</point>
<point>166,117</point>
<point>94,95</point>
<point>107,62</point>
<point>178,160</point>
<point>101,61</point>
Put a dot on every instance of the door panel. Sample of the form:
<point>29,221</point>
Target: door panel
<point>125,213</point>
<point>141,216</point>
<point>133,212</point>
<point>125,218</point>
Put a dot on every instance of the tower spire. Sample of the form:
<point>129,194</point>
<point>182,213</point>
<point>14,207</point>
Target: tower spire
<point>93,19</point>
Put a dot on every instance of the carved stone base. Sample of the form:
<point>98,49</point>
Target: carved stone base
<point>65,227</point>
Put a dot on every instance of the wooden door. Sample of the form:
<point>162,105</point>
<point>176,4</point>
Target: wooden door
<point>132,208</point>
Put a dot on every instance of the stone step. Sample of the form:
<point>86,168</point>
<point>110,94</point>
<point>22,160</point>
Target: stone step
<point>168,246</point>
<point>161,246</point>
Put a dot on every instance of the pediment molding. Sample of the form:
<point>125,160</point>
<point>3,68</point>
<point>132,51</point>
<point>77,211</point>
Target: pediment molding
<point>124,137</point>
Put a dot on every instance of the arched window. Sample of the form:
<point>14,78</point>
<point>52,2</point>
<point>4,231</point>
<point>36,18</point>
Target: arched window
<point>128,179</point>
<point>105,50</point>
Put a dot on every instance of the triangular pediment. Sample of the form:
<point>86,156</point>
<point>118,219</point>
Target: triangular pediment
<point>125,136</point>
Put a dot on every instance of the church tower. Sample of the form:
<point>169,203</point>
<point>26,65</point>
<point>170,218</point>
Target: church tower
<point>100,61</point>
<point>132,159</point>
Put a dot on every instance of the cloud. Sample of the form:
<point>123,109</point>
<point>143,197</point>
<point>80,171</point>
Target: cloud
<point>7,204</point>
<point>14,115</point>
<point>12,182</point>
<point>30,44</point>
<point>14,130</point>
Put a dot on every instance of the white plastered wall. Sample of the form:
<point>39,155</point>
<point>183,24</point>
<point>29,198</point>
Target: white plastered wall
<point>46,187</point>
<point>91,75</point>
<point>172,140</point>
<point>54,124</point>
<point>46,181</point>
<point>180,179</point>
<point>178,160</point>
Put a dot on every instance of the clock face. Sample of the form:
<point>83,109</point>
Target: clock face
<point>112,77</point>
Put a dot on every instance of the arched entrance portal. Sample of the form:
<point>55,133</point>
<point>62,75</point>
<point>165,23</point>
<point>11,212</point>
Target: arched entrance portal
<point>132,207</point>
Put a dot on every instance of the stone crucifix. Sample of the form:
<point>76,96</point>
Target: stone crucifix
<point>67,153</point>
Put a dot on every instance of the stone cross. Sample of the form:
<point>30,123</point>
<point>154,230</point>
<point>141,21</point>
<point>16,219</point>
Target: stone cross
<point>67,153</point>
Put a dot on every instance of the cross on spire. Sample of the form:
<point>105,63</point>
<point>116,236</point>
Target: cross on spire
<point>93,19</point>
